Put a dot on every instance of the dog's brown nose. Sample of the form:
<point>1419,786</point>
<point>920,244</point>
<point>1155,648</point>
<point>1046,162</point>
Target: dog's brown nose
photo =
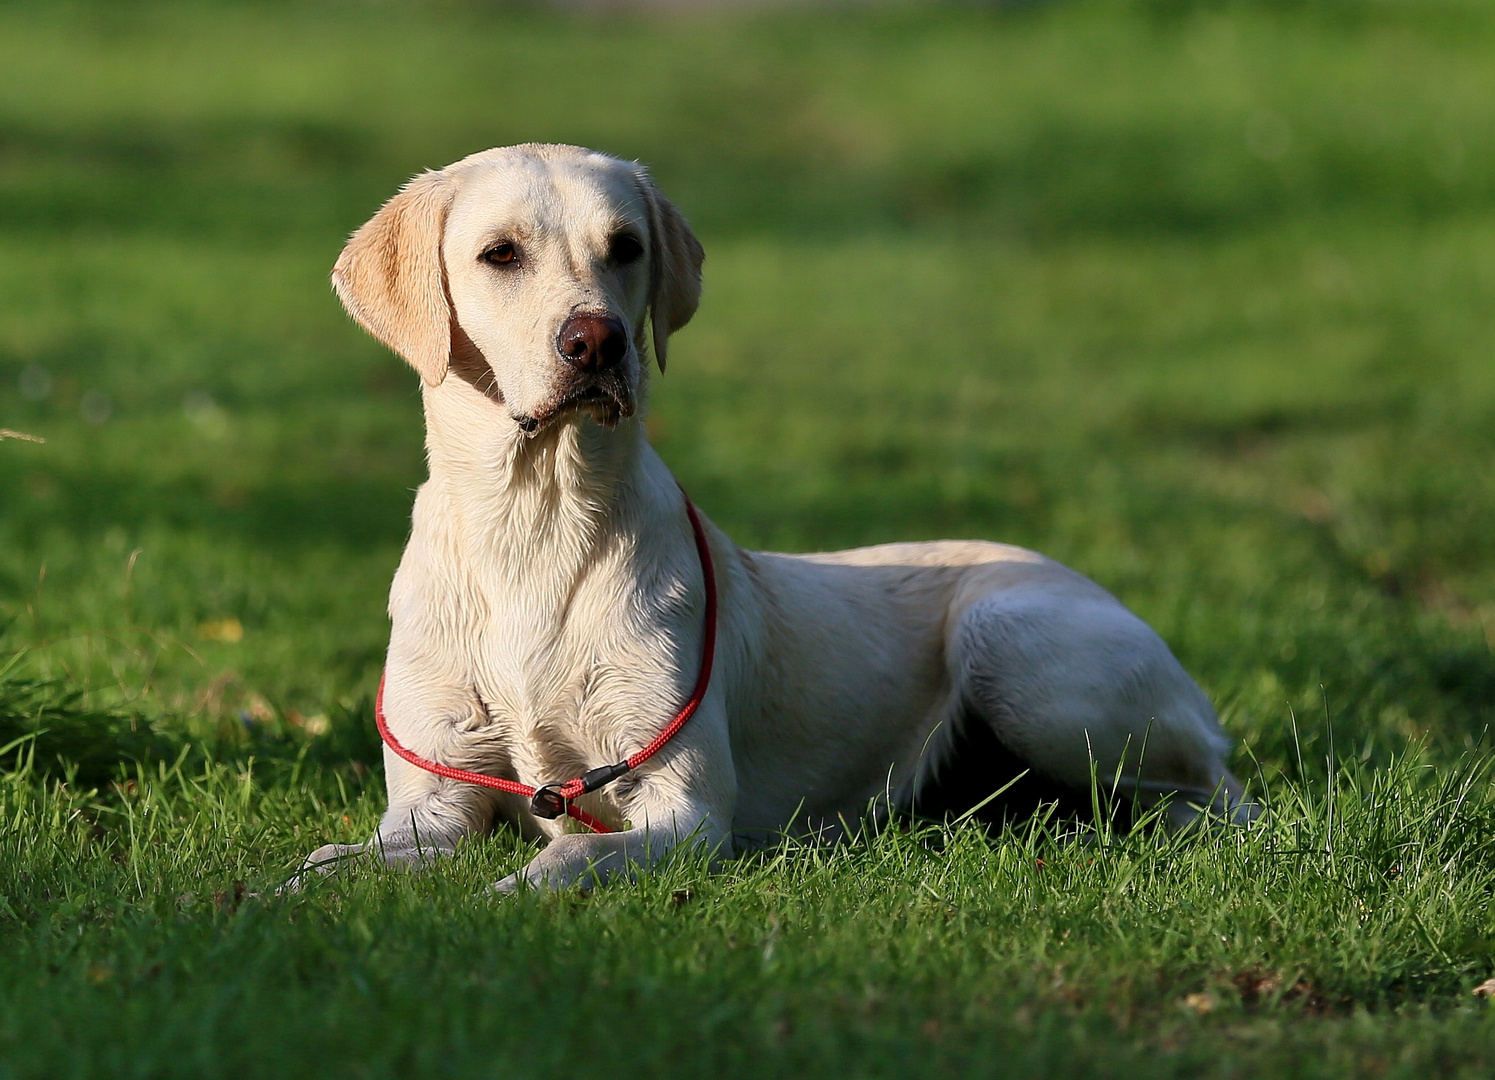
<point>592,342</point>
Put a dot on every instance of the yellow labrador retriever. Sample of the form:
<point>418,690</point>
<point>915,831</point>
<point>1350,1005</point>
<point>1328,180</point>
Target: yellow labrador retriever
<point>548,611</point>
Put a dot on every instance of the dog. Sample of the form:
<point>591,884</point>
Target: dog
<point>547,614</point>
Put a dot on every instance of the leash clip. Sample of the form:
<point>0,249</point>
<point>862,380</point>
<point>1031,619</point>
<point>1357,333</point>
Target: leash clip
<point>603,775</point>
<point>548,802</point>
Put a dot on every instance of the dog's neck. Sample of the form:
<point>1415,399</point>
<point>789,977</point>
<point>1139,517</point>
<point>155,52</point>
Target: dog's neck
<point>510,491</point>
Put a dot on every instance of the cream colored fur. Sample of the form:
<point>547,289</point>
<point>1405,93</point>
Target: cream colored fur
<point>547,613</point>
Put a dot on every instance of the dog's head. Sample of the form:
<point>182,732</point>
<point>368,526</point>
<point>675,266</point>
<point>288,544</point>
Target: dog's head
<point>532,272</point>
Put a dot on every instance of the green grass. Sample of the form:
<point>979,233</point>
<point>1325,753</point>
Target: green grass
<point>1197,297</point>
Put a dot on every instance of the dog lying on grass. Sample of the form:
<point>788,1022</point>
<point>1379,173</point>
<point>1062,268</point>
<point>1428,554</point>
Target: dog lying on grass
<point>548,611</point>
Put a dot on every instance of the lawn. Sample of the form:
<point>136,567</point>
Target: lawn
<point>1196,297</point>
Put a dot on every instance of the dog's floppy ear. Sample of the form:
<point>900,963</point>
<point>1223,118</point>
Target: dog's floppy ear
<point>390,276</point>
<point>674,269</point>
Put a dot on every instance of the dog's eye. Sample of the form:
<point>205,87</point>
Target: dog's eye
<point>503,254</point>
<point>625,249</point>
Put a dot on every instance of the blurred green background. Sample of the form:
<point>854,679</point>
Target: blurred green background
<point>1194,296</point>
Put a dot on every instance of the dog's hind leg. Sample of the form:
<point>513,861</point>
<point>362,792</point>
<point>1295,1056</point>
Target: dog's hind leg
<point>1083,692</point>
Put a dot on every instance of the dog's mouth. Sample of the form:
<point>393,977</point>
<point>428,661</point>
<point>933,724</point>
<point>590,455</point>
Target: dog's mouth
<point>605,400</point>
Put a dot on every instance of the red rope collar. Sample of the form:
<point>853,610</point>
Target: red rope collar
<point>552,800</point>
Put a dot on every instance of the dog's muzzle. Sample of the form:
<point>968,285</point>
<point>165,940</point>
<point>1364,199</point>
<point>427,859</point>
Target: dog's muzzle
<point>607,398</point>
<point>594,347</point>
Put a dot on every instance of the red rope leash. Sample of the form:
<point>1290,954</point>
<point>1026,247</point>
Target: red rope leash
<point>552,800</point>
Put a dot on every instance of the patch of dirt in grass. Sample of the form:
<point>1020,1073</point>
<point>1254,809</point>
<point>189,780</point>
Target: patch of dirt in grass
<point>1262,986</point>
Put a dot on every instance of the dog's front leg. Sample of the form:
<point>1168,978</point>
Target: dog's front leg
<point>593,859</point>
<point>428,815</point>
<point>686,796</point>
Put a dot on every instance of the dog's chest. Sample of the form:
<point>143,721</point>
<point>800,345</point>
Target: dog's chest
<point>573,682</point>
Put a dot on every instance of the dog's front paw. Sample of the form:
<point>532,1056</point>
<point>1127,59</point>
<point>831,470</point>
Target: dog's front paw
<point>327,859</point>
<point>335,858</point>
<point>535,876</point>
<point>508,886</point>
<point>330,858</point>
